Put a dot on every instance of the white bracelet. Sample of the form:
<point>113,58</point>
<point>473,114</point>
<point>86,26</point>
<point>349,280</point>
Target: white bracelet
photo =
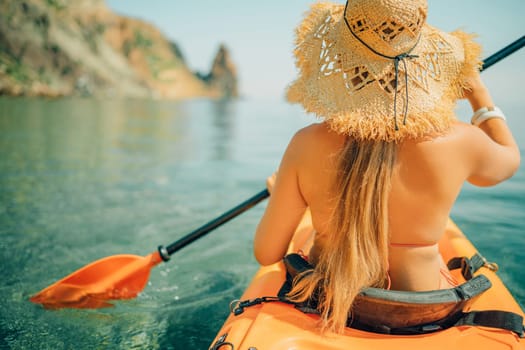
<point>486,113</point>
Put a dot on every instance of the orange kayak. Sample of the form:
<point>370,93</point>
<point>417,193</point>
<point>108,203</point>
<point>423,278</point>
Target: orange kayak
<point>277,325</point>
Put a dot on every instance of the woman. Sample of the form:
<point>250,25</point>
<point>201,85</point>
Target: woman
<point>382,170</point>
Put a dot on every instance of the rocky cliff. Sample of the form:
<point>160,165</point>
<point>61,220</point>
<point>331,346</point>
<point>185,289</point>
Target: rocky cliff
<point>79,47</point>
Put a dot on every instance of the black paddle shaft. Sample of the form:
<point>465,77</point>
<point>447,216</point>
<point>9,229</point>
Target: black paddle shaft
<point>165,252</point>
<point>504,52</point>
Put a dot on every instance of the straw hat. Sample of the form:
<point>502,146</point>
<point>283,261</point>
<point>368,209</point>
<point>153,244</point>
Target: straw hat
<point>348,56</point>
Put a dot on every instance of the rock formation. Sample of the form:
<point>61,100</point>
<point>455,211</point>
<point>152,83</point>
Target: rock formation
<point>222,76</point>
<point>79,47</point>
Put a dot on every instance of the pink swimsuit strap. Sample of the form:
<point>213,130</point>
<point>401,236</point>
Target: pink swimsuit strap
<point>447,280</point>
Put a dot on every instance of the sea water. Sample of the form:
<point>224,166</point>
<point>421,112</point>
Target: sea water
<point>82,179</point>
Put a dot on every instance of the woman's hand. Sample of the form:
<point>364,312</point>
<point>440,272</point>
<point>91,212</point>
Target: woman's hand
<point>477,93</point>
<point>270,182</point>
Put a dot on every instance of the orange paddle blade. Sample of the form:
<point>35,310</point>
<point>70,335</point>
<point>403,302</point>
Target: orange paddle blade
<point>113,277</point>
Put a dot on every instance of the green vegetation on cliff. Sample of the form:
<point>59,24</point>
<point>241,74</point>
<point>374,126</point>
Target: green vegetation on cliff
<point>79,47</point>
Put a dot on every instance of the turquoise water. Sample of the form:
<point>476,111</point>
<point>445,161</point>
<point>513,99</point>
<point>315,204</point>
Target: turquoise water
<point>82,179</point>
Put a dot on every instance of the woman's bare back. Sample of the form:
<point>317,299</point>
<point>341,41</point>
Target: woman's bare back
<point>427,178</point>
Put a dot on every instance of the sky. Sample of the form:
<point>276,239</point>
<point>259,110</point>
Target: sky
<point>260,35</point>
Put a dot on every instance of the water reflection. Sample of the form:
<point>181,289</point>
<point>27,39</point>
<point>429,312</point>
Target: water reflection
<point>224,115</point>
<point>82,129</point>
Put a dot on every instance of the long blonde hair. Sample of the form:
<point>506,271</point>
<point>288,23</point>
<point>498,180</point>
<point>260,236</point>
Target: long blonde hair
<point>356,254</point>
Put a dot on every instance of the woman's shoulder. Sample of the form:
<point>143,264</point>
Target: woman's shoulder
<point>459,133</point>
<point>318,133</point>
<point>314,143</point>
<point>312,129</point>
